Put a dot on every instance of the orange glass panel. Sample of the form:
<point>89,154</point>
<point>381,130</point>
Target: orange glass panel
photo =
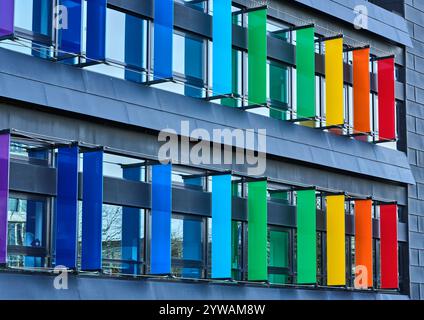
<point>361,91</point>
<point>363,237</point>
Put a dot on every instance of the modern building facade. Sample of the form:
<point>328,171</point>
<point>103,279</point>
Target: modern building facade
<point>316,194</point>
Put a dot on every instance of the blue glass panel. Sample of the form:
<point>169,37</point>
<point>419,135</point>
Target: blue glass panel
<point>161,219</point>
<point>222,47</point>
<point>221,227</point>
<point>92,208</point>
<point>70,31</point>
<point>163,38</point>
<point>66,207</point>
<point>134,47</point>
<point>96,30</point>
<point>131,232</point>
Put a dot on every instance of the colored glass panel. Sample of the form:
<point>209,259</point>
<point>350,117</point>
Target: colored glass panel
<point>163,38</point>
<point>386,99</point>
<point>160,254</point>
<point>221,226</point>
<point>257,50</point>
<point>7,13</point>
<point>70,34</point>
<point>67,207</point>
<point>306,237</point>
<point>336,249</point>
<point>389,247</point>
<point>222,47</point>
<point>257,231</point>
<point>92,209</point>
<point>334,82</point>
<point>305,73</point>
<point>4,193</point>
<point>96,30</point>
<point>363,237</point>
<point>361,90</point>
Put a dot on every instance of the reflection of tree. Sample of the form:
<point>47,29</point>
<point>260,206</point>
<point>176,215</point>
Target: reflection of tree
<point>111,231</point>
<point>177,239</point>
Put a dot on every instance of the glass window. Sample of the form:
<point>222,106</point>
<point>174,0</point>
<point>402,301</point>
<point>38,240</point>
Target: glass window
<point>237,247</point>
<point>321,258</point>
<point>33,27</point>
<point>187,242</point>
<point>27,231</point>
<point>237,76</point>
<point>126,46</point>
<point>278,89</point>
<point>123,239</point>
<point>278,255</point>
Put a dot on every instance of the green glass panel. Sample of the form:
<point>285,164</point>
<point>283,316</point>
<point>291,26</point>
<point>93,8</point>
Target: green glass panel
<point>306,237</point>
<point>257,231</point>
<point>305,70</point>
<point>278,254</point>
<point>257,51</point>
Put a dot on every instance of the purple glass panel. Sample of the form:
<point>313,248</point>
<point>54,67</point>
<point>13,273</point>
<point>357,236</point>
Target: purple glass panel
<point>7,8</point>
<point>4,193</point>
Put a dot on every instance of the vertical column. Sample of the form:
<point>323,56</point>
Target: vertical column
<point>163,39</point>
<point>160,253</point>
<point>96,30</point>
<point>363,238</point>
<point>221,227</point>
<point>92,210</point>
<point>336,249</point>
<point>305,73</point>
<point>361,91</point>
<point>386,100</point>
<point>70,33</point>
<point>131,222</point>
<point>257,51</point>
<point>389,246</point>
<point>257,231</point>
<point>334,82</point>
<point>222,47</point>
<point>67,207</point>
<point>306,237</point>
<point>7,18</point>
<point>4,193</point>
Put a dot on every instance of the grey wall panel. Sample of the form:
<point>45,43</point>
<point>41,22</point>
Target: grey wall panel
<point>143,144</point>
<point>34,286</point>
<point>380,21</point>
<point>414,13</point>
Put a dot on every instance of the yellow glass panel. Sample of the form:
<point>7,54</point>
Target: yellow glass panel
<point>336,255</point>
<point>334,82</point>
